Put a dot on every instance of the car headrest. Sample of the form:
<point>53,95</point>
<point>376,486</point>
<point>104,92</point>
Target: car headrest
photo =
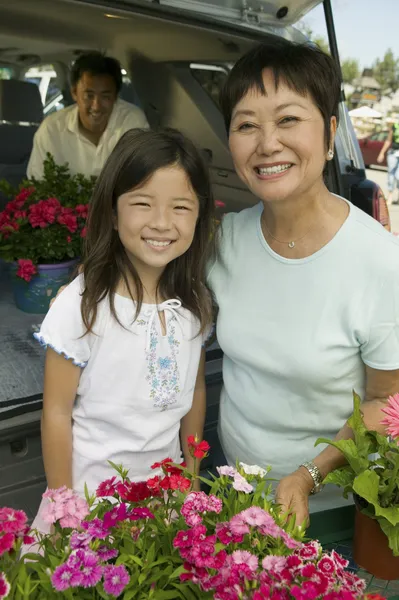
<point>20,102</point>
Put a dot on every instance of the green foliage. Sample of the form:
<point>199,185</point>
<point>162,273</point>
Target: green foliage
<point>372,473</point>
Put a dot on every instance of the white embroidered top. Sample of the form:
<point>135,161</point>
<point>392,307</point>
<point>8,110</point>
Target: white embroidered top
<point>136,383</point>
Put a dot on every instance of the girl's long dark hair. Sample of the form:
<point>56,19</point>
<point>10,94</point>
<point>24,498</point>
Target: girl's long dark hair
<point>136,157</point>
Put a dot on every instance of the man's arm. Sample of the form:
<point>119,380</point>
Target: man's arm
<point>386,146</point>
<point>38,154</point>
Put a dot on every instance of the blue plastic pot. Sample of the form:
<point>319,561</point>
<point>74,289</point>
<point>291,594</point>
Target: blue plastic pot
<point>34,296</point>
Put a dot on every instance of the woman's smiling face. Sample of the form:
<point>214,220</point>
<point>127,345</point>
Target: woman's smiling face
<point>277,141</point>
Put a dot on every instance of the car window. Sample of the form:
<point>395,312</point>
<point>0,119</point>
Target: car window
<point>6,72</point>
<point>46,78</point>
<point>211,78</point>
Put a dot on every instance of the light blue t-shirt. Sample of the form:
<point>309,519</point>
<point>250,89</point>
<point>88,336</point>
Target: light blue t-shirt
<point>296,334</point>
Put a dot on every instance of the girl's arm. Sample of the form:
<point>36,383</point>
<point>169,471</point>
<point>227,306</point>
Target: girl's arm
<point>193,422</point>
<point>61,380</point>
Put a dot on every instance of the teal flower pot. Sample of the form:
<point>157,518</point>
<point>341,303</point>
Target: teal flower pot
<point>34,296</point>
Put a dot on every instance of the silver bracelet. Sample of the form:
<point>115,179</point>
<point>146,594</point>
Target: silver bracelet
<point>316,476</point>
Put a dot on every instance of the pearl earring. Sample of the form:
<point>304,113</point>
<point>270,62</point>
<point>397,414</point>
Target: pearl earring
<point>330,155</point>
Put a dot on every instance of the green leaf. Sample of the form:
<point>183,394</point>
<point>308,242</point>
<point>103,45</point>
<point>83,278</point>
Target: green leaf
<point>350,451</point>
<point>366,485</point>
<point>392,533</point>
<point>178,572</point>
<point>342,477</point>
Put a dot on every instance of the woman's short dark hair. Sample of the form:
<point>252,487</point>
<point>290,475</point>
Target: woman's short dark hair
<point>305,69</point>
<point>96,63</point>
<point>136,157</point>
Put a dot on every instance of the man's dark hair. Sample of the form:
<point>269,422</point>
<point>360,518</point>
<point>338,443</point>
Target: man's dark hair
<point>305,69</point>
<point>96,63</point>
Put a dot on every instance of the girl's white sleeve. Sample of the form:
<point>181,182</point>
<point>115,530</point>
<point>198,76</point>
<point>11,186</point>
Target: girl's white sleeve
<point>63,329</point>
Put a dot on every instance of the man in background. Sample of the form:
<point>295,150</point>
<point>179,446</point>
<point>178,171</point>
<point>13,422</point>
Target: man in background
<point>392,147</point>
<point>84,134</point>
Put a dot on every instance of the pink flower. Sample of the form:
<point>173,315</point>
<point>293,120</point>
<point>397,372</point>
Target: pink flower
<point>183,539</point>
<point>140,513</point>
<point>339,560</point>
<point>26,269</point>
<point>240,484</point>
<point>80,540</point>
<point>83,233</point>
<point>226,471</point>
<point>65,506</point>
<point>275,564</point>
<point>391,421</point>
<point>61,578</point>
<point>256,516</point>
<point>115,580</point>
<point>68,219</point>
<point>326,565</point>
<point>12,521</point>
<point>288,540</point>
<point>246,558</point>
<point>82,210</point>
<point>4,586</point>
<point>238,525</point>
<point>309,551</point>
<point>107,488</point>
<point>226,536</point>
<point>7,541</point>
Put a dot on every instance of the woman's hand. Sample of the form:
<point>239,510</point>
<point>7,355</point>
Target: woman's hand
<point>293,495</point>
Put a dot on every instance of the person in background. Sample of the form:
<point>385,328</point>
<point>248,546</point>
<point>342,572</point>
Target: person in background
<point>392,147</point>
<point>84,134</point>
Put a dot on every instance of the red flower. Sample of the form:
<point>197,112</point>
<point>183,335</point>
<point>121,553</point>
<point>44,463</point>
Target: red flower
<point>82,210</point>
<point>68,219</point>
<point>26,269</point>
<point>178,482</point>
<point>106,488</point>
<point>197,449</point>
<point>134,492</point>
<point>23,195</point>
<point>69,239</point>
<point>162,464</point>
<point>83,233</point>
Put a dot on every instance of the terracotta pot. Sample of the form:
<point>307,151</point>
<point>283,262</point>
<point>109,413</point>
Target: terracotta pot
<point>371,550</point>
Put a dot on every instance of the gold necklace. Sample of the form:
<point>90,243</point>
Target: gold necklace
<point>290,244</point>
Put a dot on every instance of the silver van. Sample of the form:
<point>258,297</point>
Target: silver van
<point>176,55</point>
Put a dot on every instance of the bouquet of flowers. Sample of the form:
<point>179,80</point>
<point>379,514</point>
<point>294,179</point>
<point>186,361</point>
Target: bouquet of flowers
<point>372,472</point>
<point>46,219</point>
<point>161,540</point>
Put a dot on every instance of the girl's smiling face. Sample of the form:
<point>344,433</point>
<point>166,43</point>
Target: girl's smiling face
<point>277,141</point>
<point>156,222</point>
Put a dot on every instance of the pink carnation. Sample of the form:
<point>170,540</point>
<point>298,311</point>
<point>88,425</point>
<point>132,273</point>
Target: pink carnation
<point>275,564</point>
<point>391,420</point>
<point>240,484</point>
<point>116,579</point>
<point>309,551</point>
<point>65,506</point>
<point>107,487</point>
<point>4,586</point>
<point>7,541</point>
<point>246,558</point>
<point>12,521</point>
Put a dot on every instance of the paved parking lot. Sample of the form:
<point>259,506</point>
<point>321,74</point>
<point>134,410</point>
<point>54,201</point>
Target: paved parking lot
<point>379,175</point>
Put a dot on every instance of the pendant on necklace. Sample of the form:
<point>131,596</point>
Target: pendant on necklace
<point>291,245</point>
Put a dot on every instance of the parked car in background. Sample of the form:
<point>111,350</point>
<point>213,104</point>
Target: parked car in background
<point>371,146</point>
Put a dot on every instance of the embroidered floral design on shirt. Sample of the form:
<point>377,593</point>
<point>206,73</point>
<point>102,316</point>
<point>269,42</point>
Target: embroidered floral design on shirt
<point>163,371</point>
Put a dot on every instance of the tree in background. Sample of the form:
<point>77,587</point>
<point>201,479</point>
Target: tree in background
<point>386,71</point>
<point>350,69</point>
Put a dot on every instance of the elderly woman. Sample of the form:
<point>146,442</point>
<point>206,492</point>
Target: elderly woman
<point>307,285</point>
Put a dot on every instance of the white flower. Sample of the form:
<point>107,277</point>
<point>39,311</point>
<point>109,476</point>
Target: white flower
<point>253,470</point>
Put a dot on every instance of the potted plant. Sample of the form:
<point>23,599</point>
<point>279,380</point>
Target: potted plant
<point>41,231</point>
<point>372,476</point>
<point>162,540</point>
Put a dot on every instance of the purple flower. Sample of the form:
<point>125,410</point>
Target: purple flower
<point>115,580</point>
<point>80,540</point>
<point>240,484</point>
<point>96,529</point>
<point>106,553</point>
<point>112,517</point>
<point>61,578</point>
<point>86,571</point>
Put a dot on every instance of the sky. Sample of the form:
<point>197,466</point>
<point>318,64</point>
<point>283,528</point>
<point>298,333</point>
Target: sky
<point>365,29</point>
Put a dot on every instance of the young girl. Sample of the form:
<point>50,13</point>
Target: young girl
<point>125,364</point>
